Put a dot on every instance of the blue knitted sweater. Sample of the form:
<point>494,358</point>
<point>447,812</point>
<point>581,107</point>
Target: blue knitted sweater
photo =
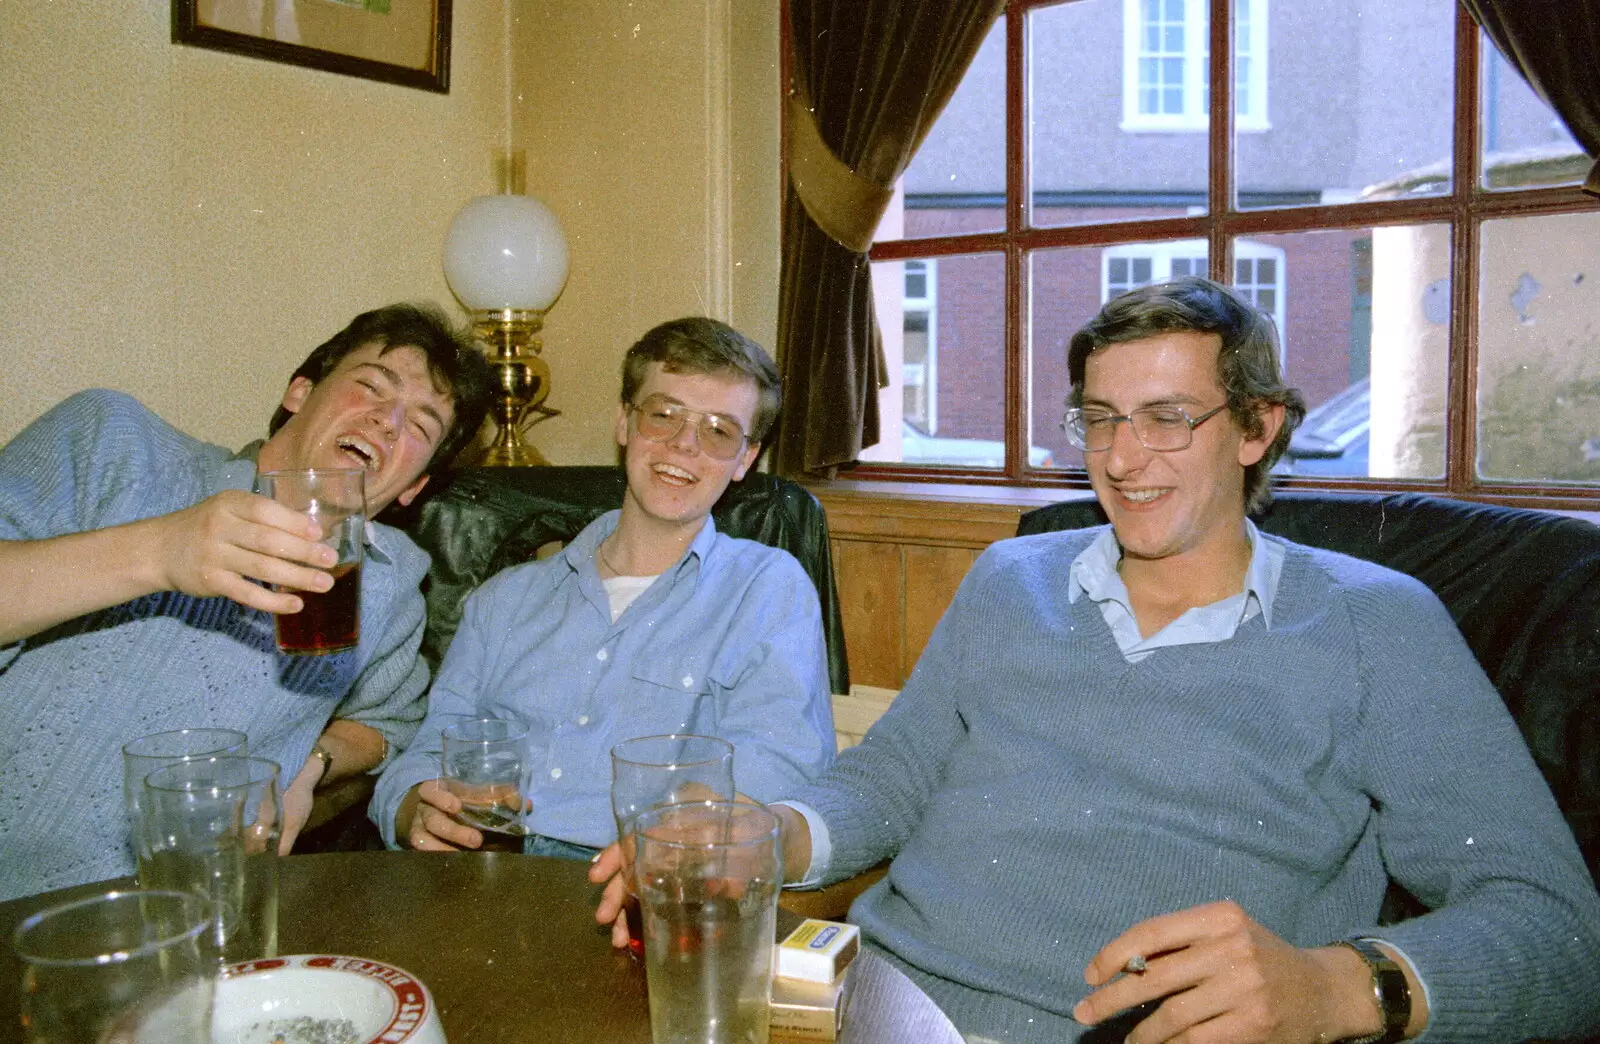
<point>72,695</point>
<point>1040,795</point>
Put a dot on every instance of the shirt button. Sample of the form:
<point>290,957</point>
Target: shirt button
<point>601,655</point>
<point>687,681</point>
<point>555,773</point>
<point>583,719</point>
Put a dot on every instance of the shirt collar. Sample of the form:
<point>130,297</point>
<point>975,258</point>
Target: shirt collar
<point>581,552</point>
<point>1094,572</point>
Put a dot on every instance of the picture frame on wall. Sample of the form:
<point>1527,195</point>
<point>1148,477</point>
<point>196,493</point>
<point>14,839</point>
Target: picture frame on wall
<point>406,42</point>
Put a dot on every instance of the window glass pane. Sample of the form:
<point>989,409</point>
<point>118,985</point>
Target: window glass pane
<point>1364,316</point>
<point>1066,288</point>
<point>1115,122</point>
<point>956,183</point>
<point>1539,350</point>
<point>1347,101</point>
<point>1524,141</point>
<point>945,349</point>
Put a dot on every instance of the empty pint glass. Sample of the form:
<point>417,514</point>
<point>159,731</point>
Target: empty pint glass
<point>336,498</point>
<point>708,875</point>
<point>211,827</point>
<point>144,755</point>
<point>119,968</point>
<point>664,770</point>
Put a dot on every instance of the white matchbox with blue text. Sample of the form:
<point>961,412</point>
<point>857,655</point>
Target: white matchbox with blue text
<point>818,951</point>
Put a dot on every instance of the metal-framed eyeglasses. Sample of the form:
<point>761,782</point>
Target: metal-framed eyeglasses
<point>659,419</point>
<point>1160,428</point>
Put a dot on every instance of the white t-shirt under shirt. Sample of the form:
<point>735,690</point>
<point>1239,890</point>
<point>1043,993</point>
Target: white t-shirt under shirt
<point>622,590</point>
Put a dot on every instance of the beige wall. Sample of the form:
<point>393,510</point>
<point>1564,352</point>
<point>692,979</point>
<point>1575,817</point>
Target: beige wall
<point>184,224</point>
<point>664,171</point>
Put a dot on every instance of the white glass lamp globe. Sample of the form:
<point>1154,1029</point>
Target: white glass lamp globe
<point>505,251</point>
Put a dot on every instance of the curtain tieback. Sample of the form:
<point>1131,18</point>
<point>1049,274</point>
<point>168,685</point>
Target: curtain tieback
<point>843,204</point>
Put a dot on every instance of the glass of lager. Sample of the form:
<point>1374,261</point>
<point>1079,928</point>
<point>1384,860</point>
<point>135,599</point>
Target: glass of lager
<point>120,968</point>
<point>707,875</point>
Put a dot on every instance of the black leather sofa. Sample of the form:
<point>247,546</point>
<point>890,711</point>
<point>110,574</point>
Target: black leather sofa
<point>1523,586</point>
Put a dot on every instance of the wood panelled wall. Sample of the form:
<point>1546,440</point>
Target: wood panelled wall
<point>899,553</point>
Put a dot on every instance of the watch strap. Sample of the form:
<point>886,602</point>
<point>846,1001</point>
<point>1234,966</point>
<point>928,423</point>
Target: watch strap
<point>1389,989</point>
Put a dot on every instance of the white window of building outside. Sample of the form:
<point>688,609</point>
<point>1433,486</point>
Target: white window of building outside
<point>1166,65</point>
<point>1259,272</point>
<point>920,371</point>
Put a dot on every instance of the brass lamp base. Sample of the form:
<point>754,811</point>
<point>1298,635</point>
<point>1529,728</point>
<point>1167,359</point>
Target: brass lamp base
<point>512,348</point>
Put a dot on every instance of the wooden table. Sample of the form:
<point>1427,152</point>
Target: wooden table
<point>507,944</point>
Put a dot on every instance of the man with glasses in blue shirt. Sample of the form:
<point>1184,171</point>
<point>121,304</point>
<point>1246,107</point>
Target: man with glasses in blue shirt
<point>1150,781</point>
<point>649,622</point>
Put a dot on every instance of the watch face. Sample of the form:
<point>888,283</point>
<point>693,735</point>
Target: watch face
<point>1390,990</point>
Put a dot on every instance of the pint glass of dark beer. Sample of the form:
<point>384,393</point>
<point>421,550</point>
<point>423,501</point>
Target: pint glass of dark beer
<point>336,498</point>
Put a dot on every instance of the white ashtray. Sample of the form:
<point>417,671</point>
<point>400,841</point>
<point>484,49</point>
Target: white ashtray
<point>322,999</point>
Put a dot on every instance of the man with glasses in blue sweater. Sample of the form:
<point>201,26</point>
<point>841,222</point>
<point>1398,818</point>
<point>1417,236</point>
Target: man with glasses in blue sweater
<point>1150,781</point>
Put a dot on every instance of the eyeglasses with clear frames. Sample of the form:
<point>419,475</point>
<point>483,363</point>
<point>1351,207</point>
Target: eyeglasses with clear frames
<point>1160,428</point>
<point>659,419</point>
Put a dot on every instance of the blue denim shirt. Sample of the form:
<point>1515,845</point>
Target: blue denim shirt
<point>727,642</point>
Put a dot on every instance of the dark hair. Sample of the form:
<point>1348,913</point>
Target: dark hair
<point>698,345</point>
<point>456,365</point>
<point>1247,360</point>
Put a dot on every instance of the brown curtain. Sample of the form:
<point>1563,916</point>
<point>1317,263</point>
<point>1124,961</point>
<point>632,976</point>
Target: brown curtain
<point>1556,47</point>
<point>873,75</point>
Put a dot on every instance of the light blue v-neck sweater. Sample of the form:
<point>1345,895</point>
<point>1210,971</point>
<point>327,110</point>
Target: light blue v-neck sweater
<point>71,696</point>
<point>1041,795</point>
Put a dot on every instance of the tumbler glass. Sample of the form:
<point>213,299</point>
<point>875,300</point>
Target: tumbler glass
<point>483,760</point>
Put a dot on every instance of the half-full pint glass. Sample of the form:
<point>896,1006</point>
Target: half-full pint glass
<point>336,498</point>
<point>708,876</point>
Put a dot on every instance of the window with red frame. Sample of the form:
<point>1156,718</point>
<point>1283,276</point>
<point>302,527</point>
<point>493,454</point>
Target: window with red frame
<point>1372,175</point>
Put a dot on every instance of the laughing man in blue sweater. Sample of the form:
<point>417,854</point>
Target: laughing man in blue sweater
<point>133,560</point>
<point>1149,782</point>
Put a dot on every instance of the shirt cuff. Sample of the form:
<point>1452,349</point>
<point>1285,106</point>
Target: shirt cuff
<point>821,845</point>
<point>391,791</point>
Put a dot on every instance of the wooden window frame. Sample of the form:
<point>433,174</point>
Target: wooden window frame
<point>1465,209</point>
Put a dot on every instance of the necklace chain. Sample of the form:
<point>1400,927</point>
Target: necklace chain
<point>600,552</point>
